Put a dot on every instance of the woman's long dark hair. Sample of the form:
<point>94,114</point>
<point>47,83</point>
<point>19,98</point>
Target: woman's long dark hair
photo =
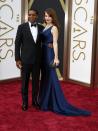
<point>51,12</point>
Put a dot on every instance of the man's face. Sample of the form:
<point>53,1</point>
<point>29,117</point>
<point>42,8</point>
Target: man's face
<point>32,16</point>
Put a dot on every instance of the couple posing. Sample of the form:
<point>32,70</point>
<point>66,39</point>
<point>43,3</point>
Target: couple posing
<point>35,48</point>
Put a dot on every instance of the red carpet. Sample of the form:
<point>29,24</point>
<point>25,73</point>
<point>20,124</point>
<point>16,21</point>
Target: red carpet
<point>12,118</point>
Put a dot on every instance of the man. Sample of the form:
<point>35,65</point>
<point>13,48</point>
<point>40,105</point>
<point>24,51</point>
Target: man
<point>28,56</point>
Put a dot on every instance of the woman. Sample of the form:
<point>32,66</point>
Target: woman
<point>52,97</point>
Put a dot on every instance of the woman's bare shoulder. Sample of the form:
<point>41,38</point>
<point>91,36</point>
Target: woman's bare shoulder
<point>54,29</point>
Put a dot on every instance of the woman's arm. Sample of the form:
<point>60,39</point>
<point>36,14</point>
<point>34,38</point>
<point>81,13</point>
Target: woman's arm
<point>54,32</point>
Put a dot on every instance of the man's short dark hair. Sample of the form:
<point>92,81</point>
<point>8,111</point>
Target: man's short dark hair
<point>34,10</point>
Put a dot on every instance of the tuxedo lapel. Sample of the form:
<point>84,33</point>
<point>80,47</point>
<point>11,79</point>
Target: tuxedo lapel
<point>29,32</point>
<point>38,32</point>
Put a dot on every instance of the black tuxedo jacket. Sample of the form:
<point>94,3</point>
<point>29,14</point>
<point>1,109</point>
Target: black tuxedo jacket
<point>26,49</point>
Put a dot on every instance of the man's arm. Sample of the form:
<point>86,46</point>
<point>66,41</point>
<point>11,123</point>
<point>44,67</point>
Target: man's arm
<point>18,42</point>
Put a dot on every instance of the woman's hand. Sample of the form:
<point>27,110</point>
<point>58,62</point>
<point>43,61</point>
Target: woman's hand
<point>56,62</point>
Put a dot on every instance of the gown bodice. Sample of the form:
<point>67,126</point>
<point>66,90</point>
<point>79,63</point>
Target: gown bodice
<point>47,53</point>
<point>47,36</point>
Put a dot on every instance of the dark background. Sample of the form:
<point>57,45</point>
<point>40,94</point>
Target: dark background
<point>41,5</point>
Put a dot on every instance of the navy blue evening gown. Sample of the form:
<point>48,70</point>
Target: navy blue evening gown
<point>51,95</point>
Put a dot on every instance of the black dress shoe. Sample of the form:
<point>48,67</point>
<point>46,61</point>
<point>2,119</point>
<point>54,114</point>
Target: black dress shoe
<point>24,107</point>
<point>35,104</point>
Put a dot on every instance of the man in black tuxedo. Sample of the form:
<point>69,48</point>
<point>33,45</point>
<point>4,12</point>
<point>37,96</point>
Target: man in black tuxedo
<point>28,56</point>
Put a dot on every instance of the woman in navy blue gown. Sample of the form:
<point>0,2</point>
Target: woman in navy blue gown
<point>51,95</point>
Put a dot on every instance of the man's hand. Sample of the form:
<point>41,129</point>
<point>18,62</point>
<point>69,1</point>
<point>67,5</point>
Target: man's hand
<point>19,64</point>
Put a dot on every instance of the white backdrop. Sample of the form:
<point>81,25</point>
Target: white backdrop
<point>81,40</point>
<point>10,18</point>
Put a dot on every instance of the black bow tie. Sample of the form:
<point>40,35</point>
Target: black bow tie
<point>33,24</point>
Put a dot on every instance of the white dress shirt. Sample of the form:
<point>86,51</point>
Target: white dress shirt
<point>34,31</point>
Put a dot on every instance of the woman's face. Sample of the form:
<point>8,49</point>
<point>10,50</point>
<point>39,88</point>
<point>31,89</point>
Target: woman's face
<point>48,19</point>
